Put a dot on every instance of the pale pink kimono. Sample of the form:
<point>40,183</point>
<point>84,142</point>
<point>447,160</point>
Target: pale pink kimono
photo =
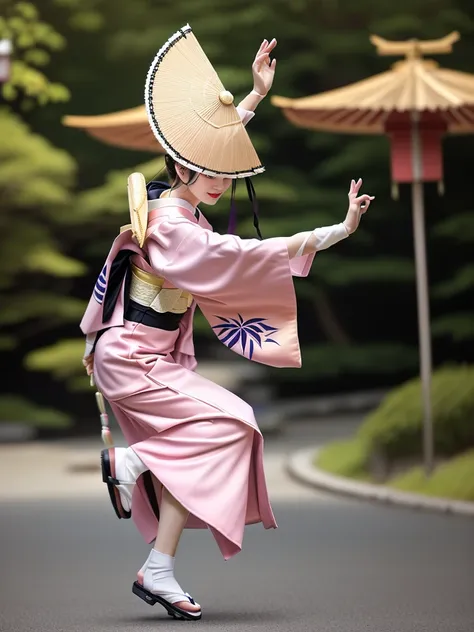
<point>199,440</point>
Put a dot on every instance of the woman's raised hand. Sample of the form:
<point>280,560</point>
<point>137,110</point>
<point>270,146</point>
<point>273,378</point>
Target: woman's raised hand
<point>263,69</point>
<point>358,204</point>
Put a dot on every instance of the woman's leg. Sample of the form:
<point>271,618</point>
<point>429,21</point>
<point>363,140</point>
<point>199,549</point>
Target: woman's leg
<point>159,570</point>
<point>173,517</point>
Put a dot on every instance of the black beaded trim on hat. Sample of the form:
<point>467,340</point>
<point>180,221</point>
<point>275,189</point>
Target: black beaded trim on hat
<point>154,123</point>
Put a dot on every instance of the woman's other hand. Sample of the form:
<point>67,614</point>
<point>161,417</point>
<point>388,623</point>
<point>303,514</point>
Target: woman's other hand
<point>263,69</point>
<point>358,204</point>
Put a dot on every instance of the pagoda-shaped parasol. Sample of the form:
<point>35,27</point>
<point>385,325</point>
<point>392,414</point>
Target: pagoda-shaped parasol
<point>129,129</point>
<point>415,104</point>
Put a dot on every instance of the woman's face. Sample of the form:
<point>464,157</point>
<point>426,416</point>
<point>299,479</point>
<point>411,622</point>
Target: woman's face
<point>206,189</point>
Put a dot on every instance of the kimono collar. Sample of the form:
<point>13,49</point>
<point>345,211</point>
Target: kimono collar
<point>180,206</point>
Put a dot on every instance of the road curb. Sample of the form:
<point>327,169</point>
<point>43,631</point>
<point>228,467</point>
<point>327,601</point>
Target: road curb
<point>300,467</point>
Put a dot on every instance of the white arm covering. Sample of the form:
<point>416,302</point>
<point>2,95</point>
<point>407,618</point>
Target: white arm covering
<point>322,238</point>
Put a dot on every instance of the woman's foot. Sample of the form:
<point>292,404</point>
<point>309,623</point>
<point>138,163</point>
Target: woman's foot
<point>120,469</point>
<point>156,584</point>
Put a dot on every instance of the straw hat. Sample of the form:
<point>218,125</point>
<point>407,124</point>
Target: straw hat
<point>193,116</point>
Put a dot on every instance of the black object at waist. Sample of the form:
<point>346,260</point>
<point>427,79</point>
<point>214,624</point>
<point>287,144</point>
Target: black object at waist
<point>146,316</point>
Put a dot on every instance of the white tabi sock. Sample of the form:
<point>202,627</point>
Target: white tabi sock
<point>141,572</point>
<point>128,467</point>
<point>158,578</point>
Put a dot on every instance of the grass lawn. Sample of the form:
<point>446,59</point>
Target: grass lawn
<point>453,479</point>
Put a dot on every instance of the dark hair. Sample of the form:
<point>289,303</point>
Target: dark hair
<point>173,177</point>
<point>155,188</point>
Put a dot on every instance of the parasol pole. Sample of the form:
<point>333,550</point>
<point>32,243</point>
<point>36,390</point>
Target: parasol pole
<point>424,336</point>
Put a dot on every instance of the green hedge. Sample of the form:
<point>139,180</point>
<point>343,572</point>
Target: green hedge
<point>347,457</point>
<point>395,428</point>
<point>453,479</point>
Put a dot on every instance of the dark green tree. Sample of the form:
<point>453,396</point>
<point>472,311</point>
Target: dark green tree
<point>36,183</point>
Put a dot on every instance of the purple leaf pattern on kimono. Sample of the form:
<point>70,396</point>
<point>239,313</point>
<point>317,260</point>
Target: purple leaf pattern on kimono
<point>100,286</point>
<point>248,332</point>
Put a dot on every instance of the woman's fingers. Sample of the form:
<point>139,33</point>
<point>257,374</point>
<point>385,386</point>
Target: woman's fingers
<point>362,198</point>
<point>265,48</point>
<point>355,186</point>
<point>270,46</point>
<point>260,59</point>
<point>363,202</point>
<point>259,52</point>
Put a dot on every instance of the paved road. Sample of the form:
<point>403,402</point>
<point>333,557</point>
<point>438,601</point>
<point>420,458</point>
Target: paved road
<point>334,565</point>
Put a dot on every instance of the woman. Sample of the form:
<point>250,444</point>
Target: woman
<point>196,453</point>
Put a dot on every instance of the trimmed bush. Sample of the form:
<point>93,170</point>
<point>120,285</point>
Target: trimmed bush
<point>395,429</point>
<point>344,458</point>
<point>454,479</point>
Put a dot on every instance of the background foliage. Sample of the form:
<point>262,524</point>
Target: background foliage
<point>63,194</point>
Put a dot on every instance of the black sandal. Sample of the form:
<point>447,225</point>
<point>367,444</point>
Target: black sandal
<point>174,611</point>
<point>108,476</point>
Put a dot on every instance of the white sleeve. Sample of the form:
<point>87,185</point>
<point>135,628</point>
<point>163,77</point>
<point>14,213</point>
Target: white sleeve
<point>245,115</point>
<point>324,237</point>
<point>329,235</point>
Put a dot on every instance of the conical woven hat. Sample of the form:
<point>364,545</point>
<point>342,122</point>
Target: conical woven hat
<point>192,115</point>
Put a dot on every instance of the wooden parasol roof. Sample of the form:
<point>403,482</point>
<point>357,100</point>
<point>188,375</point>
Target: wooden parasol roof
<point>412,84</point>
<point>129,129</point>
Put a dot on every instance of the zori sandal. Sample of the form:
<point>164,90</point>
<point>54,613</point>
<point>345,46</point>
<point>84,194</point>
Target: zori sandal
<point>174,611</point>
